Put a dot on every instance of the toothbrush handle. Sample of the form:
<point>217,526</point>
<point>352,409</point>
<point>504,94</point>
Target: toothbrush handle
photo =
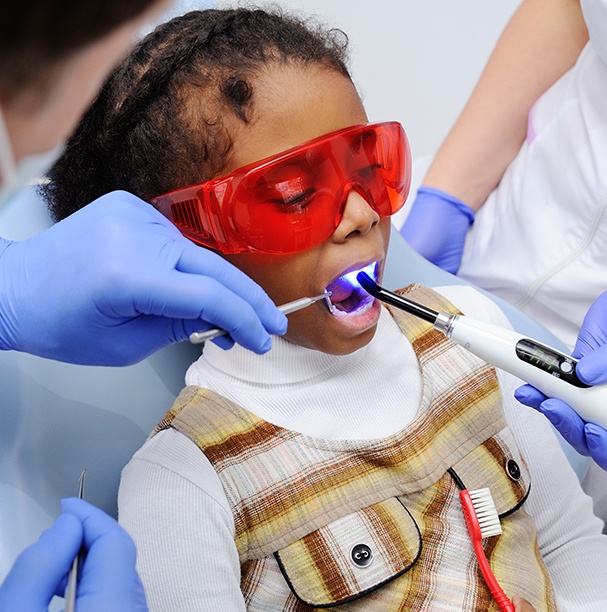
<point>474,529</point>
<point>498,346</point>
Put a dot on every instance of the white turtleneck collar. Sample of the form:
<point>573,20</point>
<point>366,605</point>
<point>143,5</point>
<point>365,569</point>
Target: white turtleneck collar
<point>371,393</point>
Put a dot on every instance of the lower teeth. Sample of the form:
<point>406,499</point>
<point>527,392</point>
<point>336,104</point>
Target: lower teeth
<point>347,309</point>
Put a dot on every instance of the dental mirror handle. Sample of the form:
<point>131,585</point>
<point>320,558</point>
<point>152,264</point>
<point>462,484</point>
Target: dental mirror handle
<point>288,308</point>
<point>548,369</point>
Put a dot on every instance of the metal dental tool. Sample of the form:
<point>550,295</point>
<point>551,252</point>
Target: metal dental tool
<point>546,368</point>
<point>289,307</point>
<point>72,579</point>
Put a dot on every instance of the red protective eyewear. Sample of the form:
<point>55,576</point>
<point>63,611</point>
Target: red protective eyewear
<point>296,199</point>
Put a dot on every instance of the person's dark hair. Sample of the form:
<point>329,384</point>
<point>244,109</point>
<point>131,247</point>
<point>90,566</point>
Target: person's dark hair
<point>159,121</point>
<point>35,35</point>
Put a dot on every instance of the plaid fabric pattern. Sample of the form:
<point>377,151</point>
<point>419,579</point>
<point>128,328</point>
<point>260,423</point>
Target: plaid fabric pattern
<point>302,505</point>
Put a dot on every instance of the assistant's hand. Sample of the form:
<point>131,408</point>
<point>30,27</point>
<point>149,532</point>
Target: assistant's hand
<point>116,281</point>
<point>436,227</point>
<point>108,579</point>
<point>591,348</point>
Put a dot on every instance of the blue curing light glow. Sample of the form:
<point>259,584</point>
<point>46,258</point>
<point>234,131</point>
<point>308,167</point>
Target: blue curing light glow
<point>351,276</point>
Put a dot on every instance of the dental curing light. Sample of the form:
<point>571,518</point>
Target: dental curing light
<point>546,368</point>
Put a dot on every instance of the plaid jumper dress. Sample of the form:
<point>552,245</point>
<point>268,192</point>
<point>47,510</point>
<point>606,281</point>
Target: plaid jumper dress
<point>376,525</point>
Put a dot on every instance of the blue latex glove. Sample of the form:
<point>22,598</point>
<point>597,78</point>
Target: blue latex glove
<point>116,281</point>
<point>591,348</point>
<point>108,579</point>
<point>436,227</point>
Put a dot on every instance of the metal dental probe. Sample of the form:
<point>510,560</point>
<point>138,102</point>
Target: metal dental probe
<point>289,307</point>
<point>544,367</point>
<point>72,579</point>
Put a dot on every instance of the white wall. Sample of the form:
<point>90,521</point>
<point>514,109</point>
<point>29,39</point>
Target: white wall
<point>415,61</point>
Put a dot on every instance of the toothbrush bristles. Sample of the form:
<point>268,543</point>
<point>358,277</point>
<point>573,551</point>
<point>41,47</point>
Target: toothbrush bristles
<point>486,513</point>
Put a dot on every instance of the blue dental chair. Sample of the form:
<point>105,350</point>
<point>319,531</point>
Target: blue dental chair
<point>58,418</point>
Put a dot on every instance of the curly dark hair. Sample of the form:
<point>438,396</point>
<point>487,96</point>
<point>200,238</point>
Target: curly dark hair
<point>159,121</point>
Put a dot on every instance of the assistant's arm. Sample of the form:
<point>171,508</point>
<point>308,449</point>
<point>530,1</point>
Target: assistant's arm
<point>540,43</point>
<point>116,281</point>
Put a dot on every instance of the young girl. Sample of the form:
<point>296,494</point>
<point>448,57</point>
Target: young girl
<point>326,472</point>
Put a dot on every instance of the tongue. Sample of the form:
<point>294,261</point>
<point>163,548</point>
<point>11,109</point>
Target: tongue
<point>341,290</point>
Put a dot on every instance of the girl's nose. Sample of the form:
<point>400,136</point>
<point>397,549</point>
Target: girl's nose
<point>359,218</point>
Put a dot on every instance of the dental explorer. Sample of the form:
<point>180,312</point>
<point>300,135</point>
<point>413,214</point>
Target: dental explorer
<point>289,307</point>
<point>72,579</point>
<point>546,368</point>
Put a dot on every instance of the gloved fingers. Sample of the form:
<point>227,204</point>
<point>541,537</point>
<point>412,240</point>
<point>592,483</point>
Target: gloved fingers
<point>593,332</point>
<point>123,205</point>
<point>568,423</point>
<point>117,216</point>
<point>40,569</point>
<point>421,233</point>
<point>110,558</point>
<point>529,396</point>
<point>223,342</point>
<point>189,326</point>
<point>436,227</point>
<point>199,261</point>
<point>144,335</point>
<point>596,440</point>
<point>592,367</point>
<point>203,299</point>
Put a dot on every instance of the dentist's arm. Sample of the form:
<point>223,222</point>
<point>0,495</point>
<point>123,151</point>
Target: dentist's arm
<point>540,43</point>
<point>591,347</point>
<point>108,579</point>
<point>116,281</point>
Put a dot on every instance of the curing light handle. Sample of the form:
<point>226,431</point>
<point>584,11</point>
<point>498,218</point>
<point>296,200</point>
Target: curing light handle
<point>547,369</point>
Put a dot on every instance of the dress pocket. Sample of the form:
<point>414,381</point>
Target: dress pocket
<point>352,556</point>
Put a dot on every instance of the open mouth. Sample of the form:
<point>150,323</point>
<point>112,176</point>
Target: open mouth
<point>348,297</point>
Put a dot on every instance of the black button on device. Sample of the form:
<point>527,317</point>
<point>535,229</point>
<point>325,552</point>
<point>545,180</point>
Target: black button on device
<point>361,555</point>
<point>513,469</point>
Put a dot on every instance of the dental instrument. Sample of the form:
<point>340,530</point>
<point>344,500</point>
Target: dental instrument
<point>544,367</point>
<point>288,308</point>
<point>72,579</point>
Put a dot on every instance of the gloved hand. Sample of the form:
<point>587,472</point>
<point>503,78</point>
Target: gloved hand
<point>108,580</point>
<point>116,281</point>
<point>436,227</point>
<point>591,348</point>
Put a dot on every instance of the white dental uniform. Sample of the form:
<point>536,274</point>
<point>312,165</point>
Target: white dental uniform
<point>540,240</point>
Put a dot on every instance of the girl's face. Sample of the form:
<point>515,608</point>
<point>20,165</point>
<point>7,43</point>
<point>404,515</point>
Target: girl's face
<point>295,104</point>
